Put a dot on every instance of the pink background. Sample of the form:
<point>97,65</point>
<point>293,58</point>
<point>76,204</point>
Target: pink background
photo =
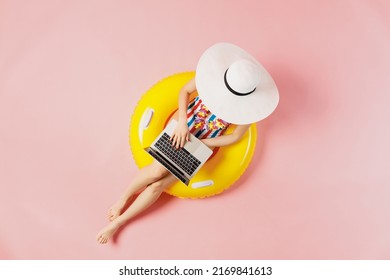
<point>71,73</point>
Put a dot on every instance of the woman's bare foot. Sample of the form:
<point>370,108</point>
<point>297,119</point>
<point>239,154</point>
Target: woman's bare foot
<point>116,209</point>
<point>106,233</point>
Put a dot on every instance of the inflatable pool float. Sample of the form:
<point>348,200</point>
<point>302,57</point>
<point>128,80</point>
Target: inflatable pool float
<point>151,115</point>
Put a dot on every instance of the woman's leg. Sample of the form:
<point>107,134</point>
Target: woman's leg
<point>144,177</point>
<point>146,198</point>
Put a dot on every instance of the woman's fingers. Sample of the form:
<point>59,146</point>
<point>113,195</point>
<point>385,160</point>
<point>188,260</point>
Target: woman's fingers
<point>178,141</point>
<point>183,141</point>
<point>180,136</point>
<point>175,141</point>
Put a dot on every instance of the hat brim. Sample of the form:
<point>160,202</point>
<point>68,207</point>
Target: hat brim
<point>219,100</point>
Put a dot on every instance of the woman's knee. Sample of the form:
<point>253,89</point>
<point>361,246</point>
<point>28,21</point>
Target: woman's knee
<point>157,187</point>
<point>158,171</point>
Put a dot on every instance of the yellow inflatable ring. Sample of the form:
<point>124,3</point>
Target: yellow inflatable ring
<point>150,116</point>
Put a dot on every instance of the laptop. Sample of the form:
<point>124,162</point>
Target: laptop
<point>184,162</point>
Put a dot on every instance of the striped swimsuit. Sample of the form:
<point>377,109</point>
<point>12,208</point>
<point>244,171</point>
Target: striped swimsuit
<point>202,123</point>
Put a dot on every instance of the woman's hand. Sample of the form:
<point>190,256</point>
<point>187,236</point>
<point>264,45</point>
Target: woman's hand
<point>180,135</point>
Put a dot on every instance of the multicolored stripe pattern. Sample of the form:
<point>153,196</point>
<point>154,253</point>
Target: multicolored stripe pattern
<point>202,123</point>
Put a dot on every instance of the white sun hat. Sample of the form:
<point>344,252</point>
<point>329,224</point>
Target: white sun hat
<point>234,85</point>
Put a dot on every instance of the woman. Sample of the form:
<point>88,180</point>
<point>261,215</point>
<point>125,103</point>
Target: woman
<point>237,90</point>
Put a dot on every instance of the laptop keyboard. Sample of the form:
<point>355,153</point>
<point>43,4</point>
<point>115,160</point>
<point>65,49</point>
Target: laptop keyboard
<point>181,157</point>
<point>164,162</point>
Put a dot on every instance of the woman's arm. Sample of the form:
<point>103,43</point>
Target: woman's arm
<point>182,133</point>
<point>184,94</point>
<point>228,139</point>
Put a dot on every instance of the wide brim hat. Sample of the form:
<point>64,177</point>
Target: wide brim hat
<point>234,85</point>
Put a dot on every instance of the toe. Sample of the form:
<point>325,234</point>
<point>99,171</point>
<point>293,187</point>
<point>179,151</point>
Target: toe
<point>99,237</point>
<point>113,217</point>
